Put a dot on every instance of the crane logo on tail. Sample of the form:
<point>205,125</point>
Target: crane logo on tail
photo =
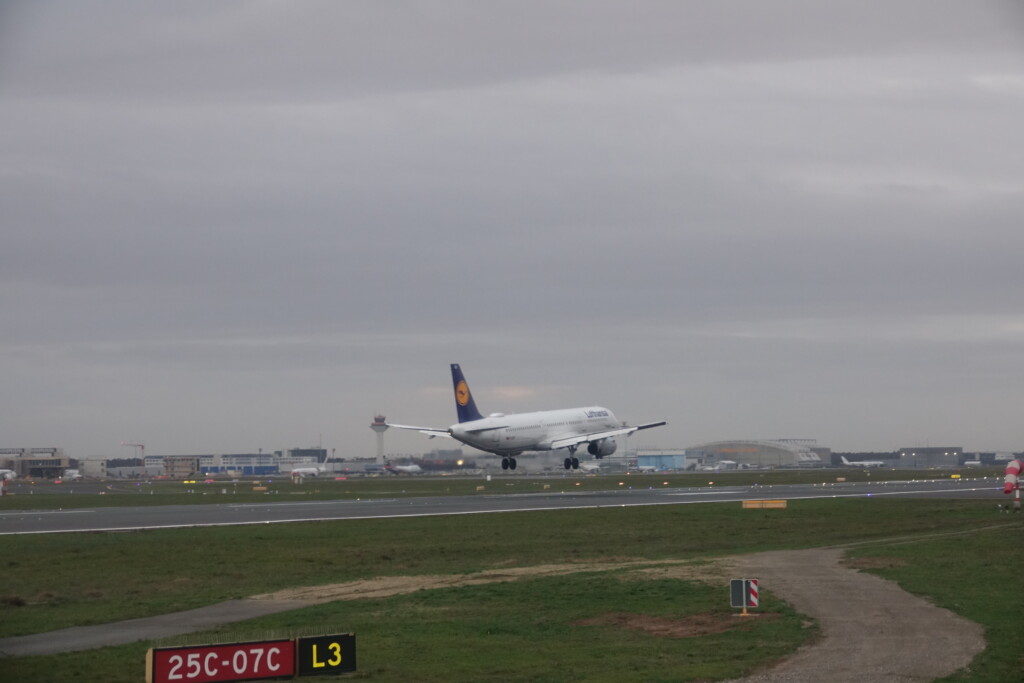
<point>462,393</point>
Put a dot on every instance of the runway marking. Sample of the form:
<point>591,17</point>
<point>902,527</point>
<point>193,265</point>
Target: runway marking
<point>719,492</point>
<point>310,503</point>
<point>728,497</point>
<point>32,513</point>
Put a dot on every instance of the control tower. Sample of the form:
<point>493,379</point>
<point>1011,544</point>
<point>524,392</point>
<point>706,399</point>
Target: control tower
<point>380,425</point>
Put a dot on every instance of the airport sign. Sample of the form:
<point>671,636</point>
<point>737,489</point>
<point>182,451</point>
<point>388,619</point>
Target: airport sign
<point>326,655</point>
<point>744,593</point>
<point>253,661</point>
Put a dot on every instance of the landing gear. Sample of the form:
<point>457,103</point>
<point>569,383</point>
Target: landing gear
<point>508,463</point>
<point>572,462</point>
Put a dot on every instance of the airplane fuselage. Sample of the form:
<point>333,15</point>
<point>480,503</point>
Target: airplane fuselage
<point>516,433</point>
<point>404,469</point>
<point>307,472</point>
<point>864,463</point>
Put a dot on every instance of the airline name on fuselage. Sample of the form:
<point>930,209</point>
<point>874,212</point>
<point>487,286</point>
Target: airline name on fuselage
<point>597,413</point>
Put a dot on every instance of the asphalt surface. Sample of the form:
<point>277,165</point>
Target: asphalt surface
<point>147,628</point>
<point>176,516</point>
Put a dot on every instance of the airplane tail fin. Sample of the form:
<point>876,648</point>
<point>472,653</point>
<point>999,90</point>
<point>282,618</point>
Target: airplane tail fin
<point>845,461</point>
<point>464,403</point>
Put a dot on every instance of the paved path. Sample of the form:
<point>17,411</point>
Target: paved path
<point>147,628</point>
<point>872,630</point>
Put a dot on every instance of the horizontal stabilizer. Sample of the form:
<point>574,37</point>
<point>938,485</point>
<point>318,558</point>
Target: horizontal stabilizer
<point>429,431</point>
<point>481,430</point>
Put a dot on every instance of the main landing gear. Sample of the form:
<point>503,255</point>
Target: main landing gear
<point>572,462</point>
<point>508,463</point>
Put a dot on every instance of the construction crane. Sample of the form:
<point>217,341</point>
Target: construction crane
<point>140,446</point>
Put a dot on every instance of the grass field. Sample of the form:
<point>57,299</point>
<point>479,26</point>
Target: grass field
<point>541,629</point>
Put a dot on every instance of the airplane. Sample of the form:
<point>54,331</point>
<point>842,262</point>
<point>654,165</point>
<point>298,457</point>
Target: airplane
<point>411,468</point>
<point>308,471</point>
<point>864,463</point>
<point>546,430</point>
<point>719,466</point>
<point>7,474</point>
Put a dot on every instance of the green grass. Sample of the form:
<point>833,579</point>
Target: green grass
<point>77,579</point>
<point>528,630</point>
<point>531,630</point>
<point>524,630</point>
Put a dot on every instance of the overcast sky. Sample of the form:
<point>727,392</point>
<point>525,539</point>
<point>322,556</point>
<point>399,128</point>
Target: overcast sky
<point>229,226</point>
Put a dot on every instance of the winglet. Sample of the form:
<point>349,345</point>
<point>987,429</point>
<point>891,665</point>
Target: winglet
<point>464,403</point>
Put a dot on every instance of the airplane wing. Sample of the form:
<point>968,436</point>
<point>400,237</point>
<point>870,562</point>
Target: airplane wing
<point>429,431</point>
<point>597,436</point>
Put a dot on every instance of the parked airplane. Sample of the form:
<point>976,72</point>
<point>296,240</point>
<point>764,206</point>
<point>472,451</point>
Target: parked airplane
<point>719,466</point>
<point>411,468</point>
<point>308,471</point>
<point>864,463</point>
<point>8,474</point>
<point>547,430</point>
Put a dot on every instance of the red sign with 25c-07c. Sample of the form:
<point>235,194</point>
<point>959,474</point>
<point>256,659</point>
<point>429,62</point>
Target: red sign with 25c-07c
<point>213,663</point>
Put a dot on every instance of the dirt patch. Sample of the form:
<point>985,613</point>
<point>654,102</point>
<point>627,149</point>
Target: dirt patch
<point>709,571</point>
<point>873,562</point>
<point>665,627</point>
<point>386,586</point>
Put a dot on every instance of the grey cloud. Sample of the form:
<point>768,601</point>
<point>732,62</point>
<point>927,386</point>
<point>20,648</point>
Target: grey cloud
<point>319,208</point>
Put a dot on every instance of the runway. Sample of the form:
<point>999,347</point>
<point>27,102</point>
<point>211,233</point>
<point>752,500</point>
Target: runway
<point>179,516</point>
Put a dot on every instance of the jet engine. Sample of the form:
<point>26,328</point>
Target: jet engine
<point>601,447</point>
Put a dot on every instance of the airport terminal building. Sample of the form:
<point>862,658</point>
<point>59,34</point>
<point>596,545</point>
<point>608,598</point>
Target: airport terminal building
<point>46,463</point>
<point>780,453</point>
<point>233,464</point>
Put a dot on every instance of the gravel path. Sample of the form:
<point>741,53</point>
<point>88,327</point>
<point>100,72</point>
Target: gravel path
<point>872,630</point>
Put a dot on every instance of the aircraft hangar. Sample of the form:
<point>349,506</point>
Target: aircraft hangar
<point>761,454</point>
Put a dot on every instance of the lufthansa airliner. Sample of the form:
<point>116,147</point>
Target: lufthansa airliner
<point>548,430</point>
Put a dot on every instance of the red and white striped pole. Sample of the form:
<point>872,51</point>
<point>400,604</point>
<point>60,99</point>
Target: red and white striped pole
<point>752,595</point>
